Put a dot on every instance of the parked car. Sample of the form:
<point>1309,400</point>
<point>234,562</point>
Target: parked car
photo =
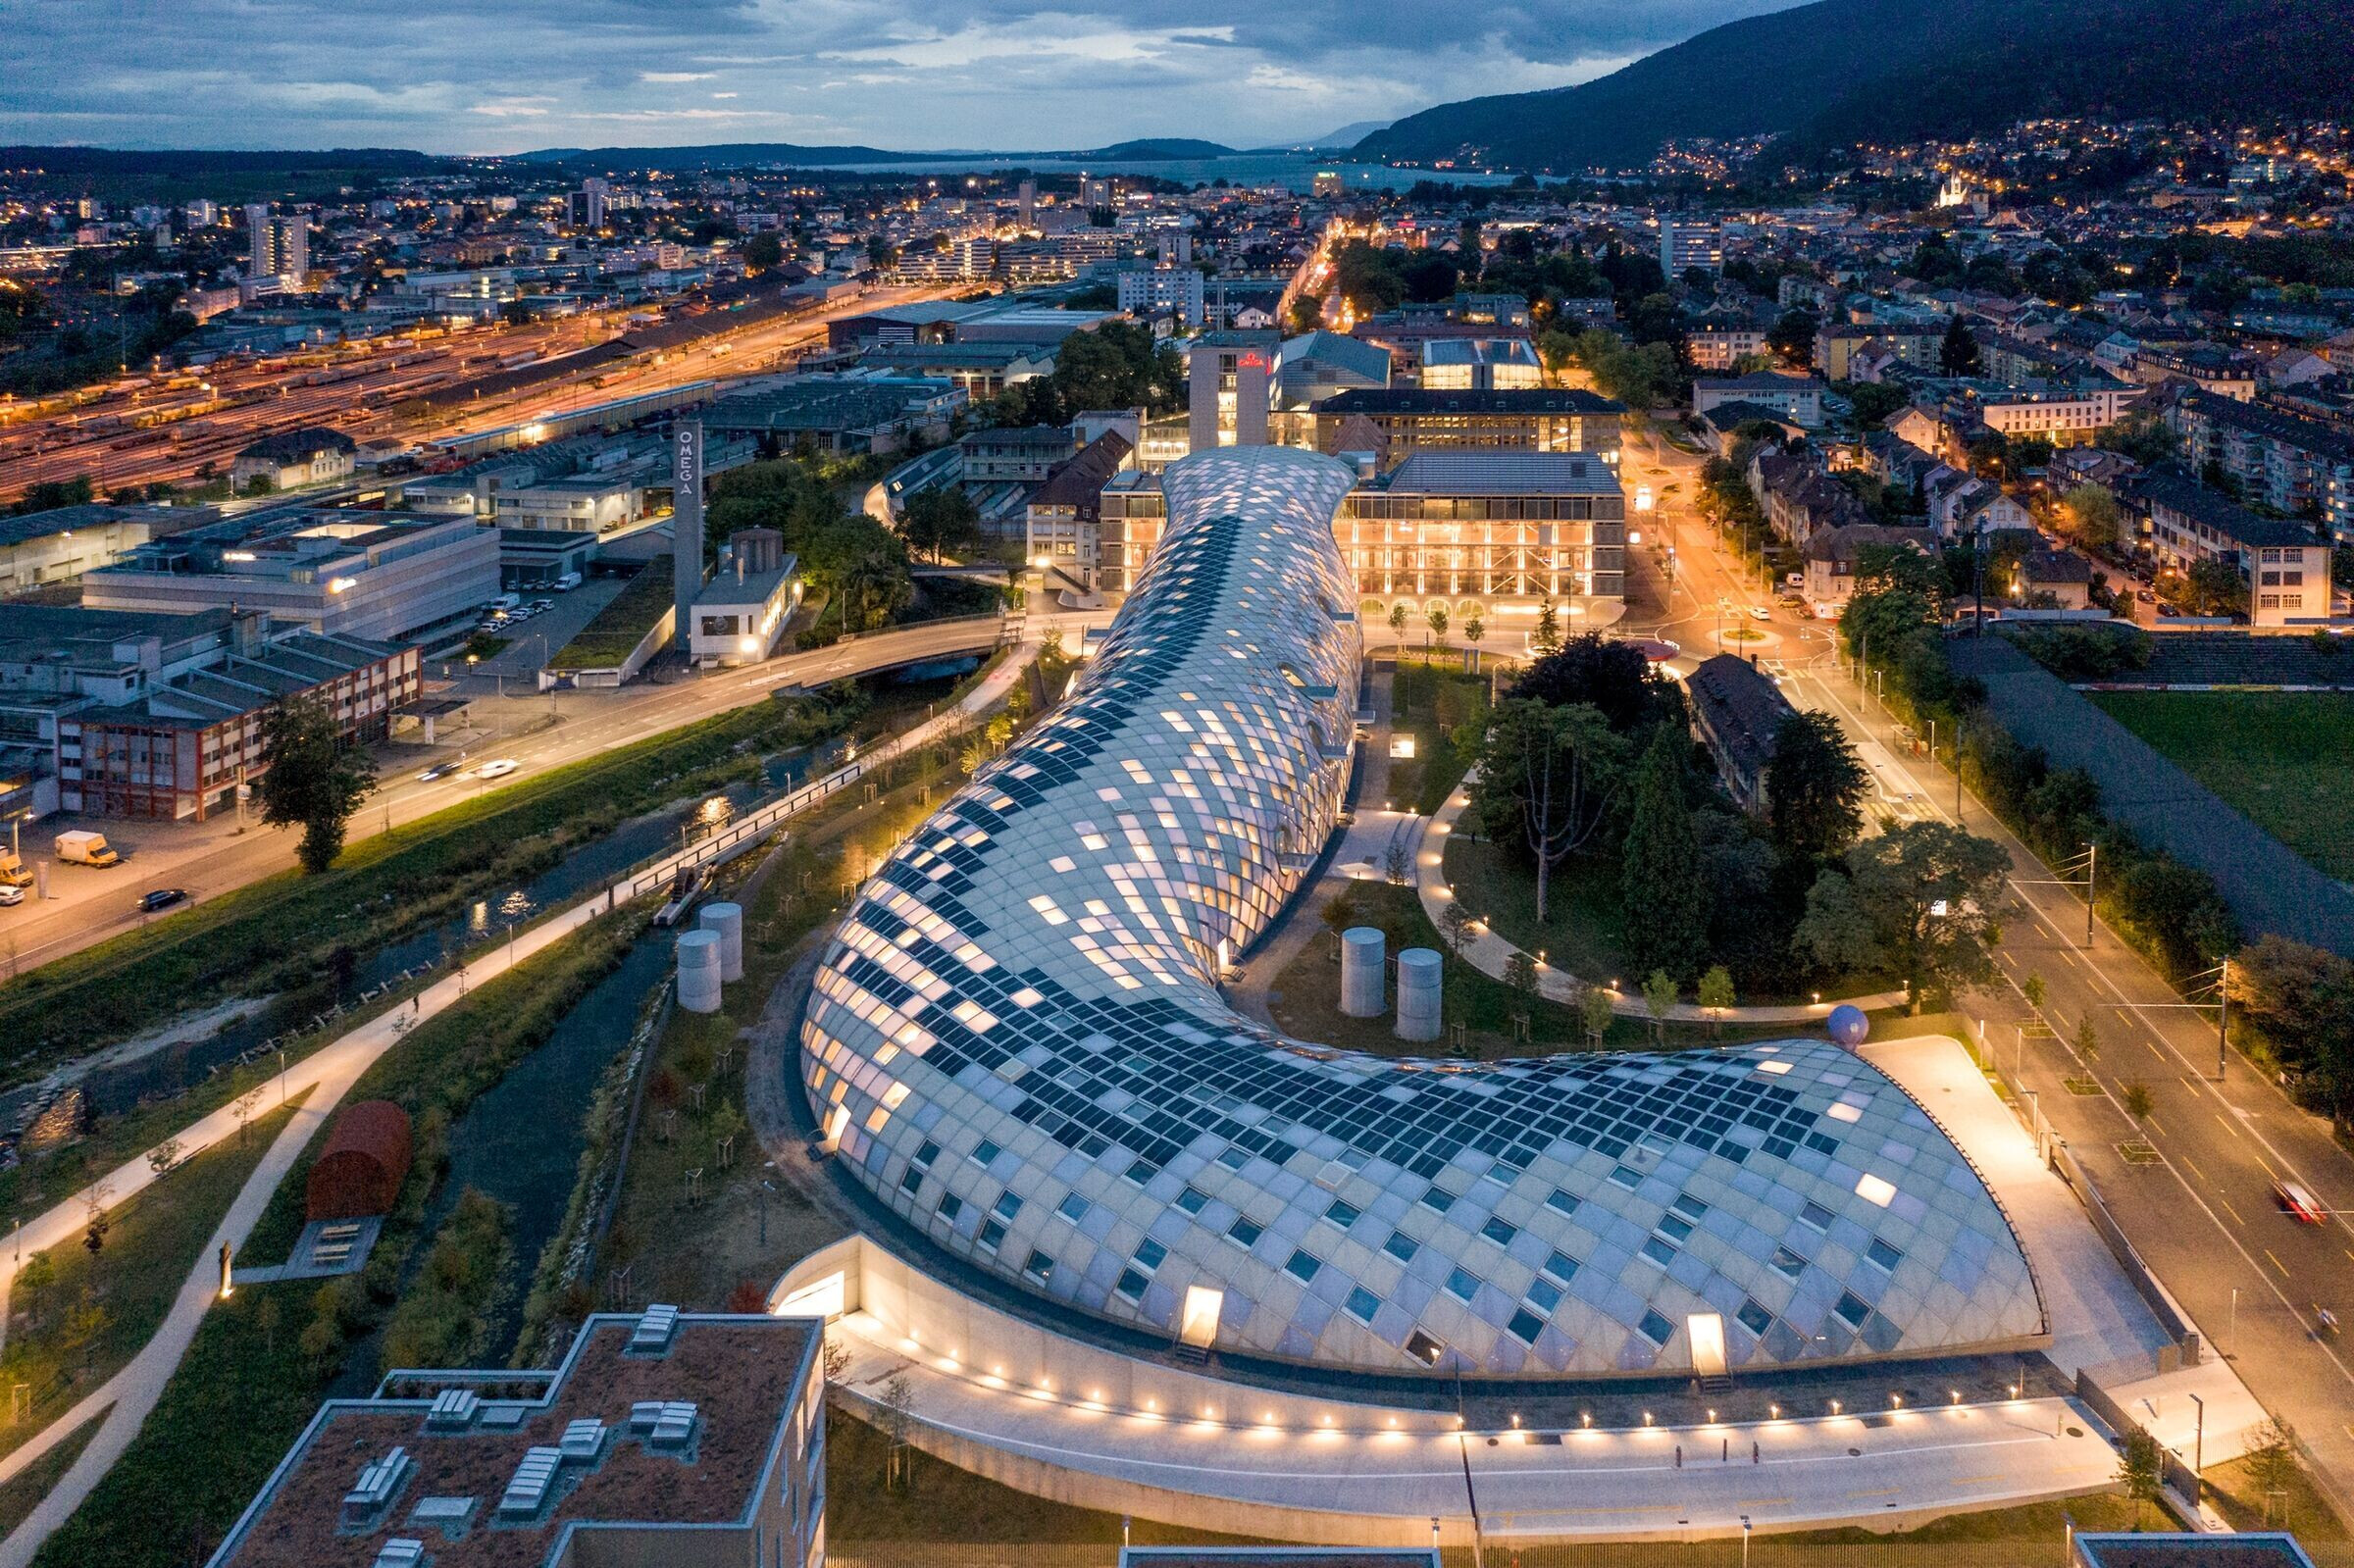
<point>498,768</point>
<point>162,898</point>
<point>2299,1204</point>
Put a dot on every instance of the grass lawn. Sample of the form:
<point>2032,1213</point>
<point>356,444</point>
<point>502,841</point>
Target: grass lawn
<point>1306,1005</point>
<point>613,634</point>
<point>1429,701</point>
<point>283,933</point>
<point>697,1250</point>
<point>23,1491</point>
<point>269,1351</point>
<point>76,1320</point>
<point>2285,759</point>
<point>2299,1508</point>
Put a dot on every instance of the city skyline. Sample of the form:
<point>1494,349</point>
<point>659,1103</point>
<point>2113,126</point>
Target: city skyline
<point>1006,74</point>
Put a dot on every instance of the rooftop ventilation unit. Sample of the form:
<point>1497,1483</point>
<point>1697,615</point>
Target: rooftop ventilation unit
<point>526,1492</point>
<point>654,1330</point>
<point>453,1407</point>
<point>378,1479</point>
<point>663,1423</point>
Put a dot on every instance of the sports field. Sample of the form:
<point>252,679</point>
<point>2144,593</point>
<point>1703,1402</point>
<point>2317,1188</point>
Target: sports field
<point>2283,758</point>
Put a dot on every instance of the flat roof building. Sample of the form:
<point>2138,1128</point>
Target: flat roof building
<point>662,1437</point>
<point>141,714</point>
<point>375,575</point>
<point>1396,422</point>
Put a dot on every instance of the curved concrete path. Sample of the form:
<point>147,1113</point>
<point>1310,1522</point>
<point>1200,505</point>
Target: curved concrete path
<point>1488,952</point>
<point>328,1072</point>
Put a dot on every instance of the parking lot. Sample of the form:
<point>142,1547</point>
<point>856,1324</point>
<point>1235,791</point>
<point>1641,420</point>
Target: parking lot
<point>534,638</point>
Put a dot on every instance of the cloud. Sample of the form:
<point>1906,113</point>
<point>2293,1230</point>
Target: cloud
<point>504,76</point>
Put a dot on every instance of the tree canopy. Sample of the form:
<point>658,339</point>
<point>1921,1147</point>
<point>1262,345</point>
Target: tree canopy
<point>311,780</point>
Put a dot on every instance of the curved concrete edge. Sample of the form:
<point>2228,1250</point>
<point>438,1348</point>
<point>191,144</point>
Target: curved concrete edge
<point>1074,1423</point>
<point>1486,952</point>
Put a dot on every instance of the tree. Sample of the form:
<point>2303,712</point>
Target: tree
<point>2088,1040</point>
<point>1717,996</point>
<point>764,251</point>
<point>2272,1460</point>
<point>2141,1466</point>
<point>1917,901</point>
<point>311,778</point>
<point>1659,1000</point>
<point>1437,618</point>
<point>1663,900</point>
<point>1547,637</point>
<point>1546,777</point>
<point>1520,974</point>
<point>942,521</point>
<point>1957,355</point>
<point>1454,920</point>
<point>2089,516</point>
<point>1593,1012</point>
<point>1815,787</point>
<point>1792,337</point>
<point>2216,588</point>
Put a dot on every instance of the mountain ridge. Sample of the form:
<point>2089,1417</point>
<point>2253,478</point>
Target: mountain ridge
<point>1839,71</point>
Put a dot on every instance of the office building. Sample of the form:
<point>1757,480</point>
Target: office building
<point>277,247</point>
<point>1397,423</point>
<point>1231,383</point>
<point>1685,244</point>
<point>62,543</point>
<point>1489,531</point>
<point>1796,398</point>
<point>587,207</point>
<point>662,1437</point>
<point>1016,1043</point>
<point>738,615</point>
<point>1492,532</point>
<point>372,574</point>
<point>140,714</point>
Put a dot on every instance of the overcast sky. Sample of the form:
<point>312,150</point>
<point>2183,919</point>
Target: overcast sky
<point>506,75</point>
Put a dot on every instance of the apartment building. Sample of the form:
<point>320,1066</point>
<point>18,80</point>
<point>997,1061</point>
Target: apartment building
<point>2285,565</point>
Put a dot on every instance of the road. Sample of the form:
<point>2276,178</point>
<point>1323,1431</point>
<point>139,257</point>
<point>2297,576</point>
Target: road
<point>328,1073</point>
<point>2193,1183</point>
<point>212,858</point>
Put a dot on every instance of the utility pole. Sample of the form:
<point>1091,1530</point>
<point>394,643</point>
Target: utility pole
<point>2223,1020</point>
<point>2092,862</point>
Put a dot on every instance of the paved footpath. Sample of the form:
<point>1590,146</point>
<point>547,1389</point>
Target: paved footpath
<point>329,1074</point>
<point>1484,950</point>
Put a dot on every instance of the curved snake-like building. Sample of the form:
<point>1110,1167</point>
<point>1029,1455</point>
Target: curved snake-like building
<point>1017,1042</point>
